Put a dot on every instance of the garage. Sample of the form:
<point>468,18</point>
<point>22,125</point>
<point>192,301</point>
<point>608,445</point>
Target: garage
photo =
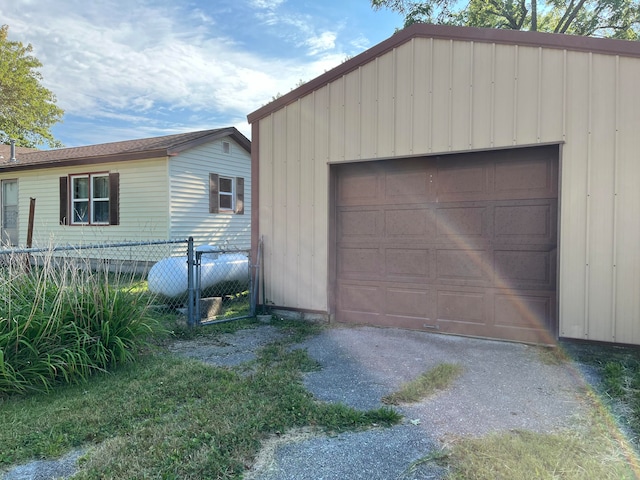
<point>461,244</point>
<point>478,182</point>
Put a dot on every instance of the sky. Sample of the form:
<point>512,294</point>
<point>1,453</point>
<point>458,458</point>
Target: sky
<point>125,69</point>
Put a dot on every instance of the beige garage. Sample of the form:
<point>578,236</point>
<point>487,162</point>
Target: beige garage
<point>459,180</point>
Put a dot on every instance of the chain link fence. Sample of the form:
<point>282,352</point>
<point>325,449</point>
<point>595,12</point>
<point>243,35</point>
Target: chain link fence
<point>206,284</point>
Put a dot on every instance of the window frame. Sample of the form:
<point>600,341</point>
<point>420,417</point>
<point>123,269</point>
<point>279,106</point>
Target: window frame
<point>229,194</point>
<point>236,194</point>
<point>68,202</point>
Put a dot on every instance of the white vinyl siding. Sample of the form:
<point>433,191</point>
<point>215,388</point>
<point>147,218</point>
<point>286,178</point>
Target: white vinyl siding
<point>432,96</point>
<point>144,205</point>
<point>189,186</point>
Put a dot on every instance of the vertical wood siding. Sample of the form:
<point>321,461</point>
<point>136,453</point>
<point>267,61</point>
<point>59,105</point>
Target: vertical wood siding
<point>189,195</point>
<point>144,204</point>
<point>430,96</point>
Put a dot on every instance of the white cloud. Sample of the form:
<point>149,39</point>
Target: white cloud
<point>321,43</point>
<point>136,62</point>
<point>266,4</point>
<point>146,59</point>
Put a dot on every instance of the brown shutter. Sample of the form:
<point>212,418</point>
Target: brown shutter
<point>214,200</point>
<point>64,200</point>
<point>114,199</point>
<point>240,195</point>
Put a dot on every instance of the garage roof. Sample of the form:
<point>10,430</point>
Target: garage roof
<point>471,34</point>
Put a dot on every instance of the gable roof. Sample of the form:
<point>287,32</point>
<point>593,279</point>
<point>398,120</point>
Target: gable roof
<point>165,146</point>
<point>448,32</point>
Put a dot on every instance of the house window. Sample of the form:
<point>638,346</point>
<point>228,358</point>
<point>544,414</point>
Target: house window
<point>226,147</point>
<point>226,194</point>
<point>89,199</point>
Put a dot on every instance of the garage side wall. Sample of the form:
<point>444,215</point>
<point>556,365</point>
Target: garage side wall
<point>434,96</point>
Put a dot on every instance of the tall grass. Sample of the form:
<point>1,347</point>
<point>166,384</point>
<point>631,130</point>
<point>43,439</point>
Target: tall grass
<point>61,321</point>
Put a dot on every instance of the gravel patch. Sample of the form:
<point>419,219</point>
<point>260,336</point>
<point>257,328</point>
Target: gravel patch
<point>229,349</point>
<point>504,386</point>
<point>63,467</point>
<point>377,454</point>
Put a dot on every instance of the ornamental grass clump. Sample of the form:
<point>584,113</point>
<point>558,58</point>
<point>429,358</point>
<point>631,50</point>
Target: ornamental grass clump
<point>61,321</point>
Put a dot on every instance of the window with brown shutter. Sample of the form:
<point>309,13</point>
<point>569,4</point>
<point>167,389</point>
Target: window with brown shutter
<point>90,199</point>
<point>226,194</point>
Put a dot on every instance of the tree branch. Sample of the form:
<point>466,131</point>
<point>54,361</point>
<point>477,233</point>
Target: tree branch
<point>572,16</point>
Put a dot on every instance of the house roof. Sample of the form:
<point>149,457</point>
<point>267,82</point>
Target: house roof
<point>448,32</point>
<point>5,151</point>
<point>165,146</point>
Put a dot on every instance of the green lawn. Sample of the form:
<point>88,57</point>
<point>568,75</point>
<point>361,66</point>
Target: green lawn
<point>169,417</point>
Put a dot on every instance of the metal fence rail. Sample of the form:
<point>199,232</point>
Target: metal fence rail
<point>208,284</point>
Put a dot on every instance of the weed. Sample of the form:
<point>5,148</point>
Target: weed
<point>438,378</point>
<point>62,322</point>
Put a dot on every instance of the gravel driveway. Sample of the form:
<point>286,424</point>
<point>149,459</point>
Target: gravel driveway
<point>504,386</point>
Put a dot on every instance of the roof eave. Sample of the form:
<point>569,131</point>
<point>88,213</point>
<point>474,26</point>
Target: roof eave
<point>121,157</point>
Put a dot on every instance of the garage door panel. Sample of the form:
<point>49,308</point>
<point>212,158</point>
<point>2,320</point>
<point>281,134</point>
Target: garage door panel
<point>408,264</point>
<point>522,310</point>
<point>532,178</point>
<point>407,302</point>
<point>360,298</point>
<point>461,306</point>
<point>461,220</point>
<point>468,267</point>
<point>461,180</point>
<point>360,262</point>
<point>525,269</point>
<point>409,222</point>
<point>526,222</point>
<point>359,189</point>
<point>406,187</point>
<point>359,223</point>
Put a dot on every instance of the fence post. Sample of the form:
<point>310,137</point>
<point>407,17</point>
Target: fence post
<point>197,278</point>
<point>191,321</point>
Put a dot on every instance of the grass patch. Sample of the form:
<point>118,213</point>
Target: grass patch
<point>553,355</point>
<point>61,322</point>
<point>595,448</point>
<point>592,452</point>
<point>618,369</point>
<point>170,417</point>
<point>438,378</point>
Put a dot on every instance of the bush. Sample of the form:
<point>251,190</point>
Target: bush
<point>61,321</point>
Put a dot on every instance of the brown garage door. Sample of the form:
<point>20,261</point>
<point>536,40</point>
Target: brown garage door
<point>461,244</point>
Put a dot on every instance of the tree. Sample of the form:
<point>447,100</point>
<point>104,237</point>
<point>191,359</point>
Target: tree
<point>27,109</point>
<point>601,18</point>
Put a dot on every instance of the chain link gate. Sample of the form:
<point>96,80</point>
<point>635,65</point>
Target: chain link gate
<point>221,285</point>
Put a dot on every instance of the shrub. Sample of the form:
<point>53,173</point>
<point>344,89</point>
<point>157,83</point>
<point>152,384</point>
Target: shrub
<point>61,321</point>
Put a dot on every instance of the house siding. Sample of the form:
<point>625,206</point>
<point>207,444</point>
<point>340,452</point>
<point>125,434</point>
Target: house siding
<point>434,96</point>
<point>189,192</point>
<point>143,204</point>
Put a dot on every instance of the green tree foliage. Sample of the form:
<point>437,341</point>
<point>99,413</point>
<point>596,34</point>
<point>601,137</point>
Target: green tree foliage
<point>27,109</point>
<point>600,18</point>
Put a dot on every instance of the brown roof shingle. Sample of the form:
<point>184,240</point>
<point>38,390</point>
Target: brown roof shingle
<point>118,151</point>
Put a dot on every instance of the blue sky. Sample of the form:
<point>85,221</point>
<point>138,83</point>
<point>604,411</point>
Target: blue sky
<point>124,69</point>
